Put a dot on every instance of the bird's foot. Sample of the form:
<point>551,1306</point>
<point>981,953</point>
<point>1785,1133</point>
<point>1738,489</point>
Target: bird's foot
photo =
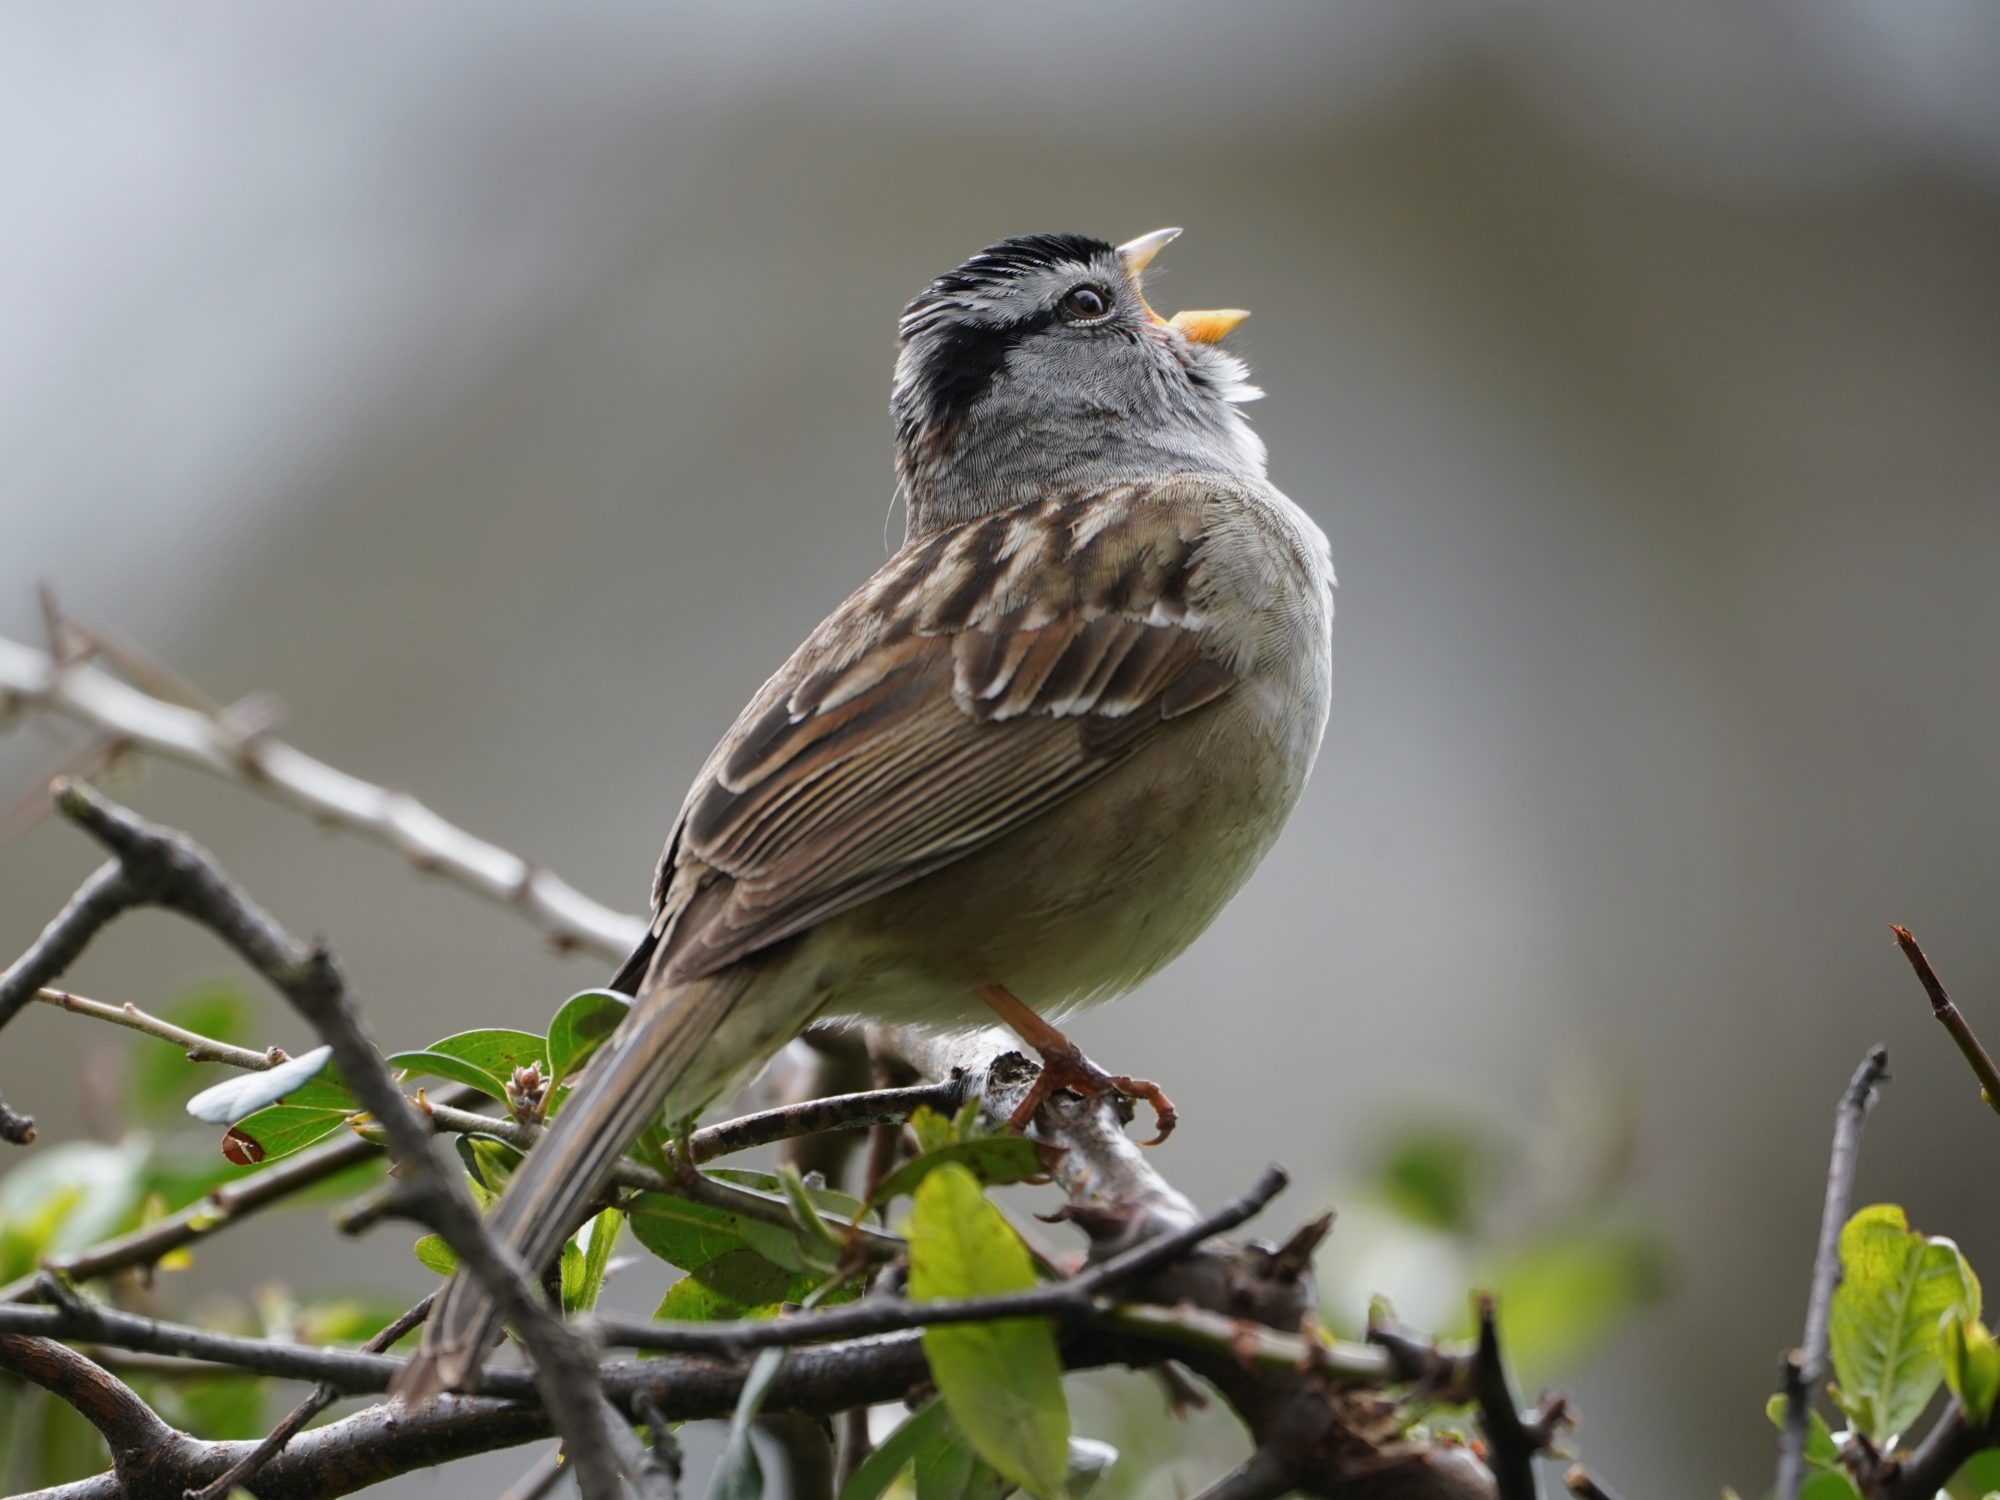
<point>1065,1067</point>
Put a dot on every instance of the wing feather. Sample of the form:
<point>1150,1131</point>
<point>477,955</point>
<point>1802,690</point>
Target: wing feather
<point>987,673</point>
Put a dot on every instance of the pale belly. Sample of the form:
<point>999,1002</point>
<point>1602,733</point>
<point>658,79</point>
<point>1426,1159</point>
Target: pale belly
<point>1097,895</point>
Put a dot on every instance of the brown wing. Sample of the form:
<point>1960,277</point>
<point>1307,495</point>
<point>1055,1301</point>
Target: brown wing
<point>984,675</point>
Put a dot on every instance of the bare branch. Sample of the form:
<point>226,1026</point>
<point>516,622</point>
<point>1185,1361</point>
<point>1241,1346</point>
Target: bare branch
<point>1805,1366</point>
<point>199,1048</point>
<point>1952,1019</point>
<point>251,756</point>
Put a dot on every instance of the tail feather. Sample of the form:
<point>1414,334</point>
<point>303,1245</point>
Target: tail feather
<point>648,1060</point>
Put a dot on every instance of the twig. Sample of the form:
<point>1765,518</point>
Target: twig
<point>253,757</point>
<point>1510,1446</point>
<point>245,1468</point>
<point>1075,1298</point>
<point>1952,1019</point>
<point>171,871</point>
<point>199,1048</point>
<point>1805,1366</point>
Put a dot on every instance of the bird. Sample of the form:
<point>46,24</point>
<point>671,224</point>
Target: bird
<point>1020,769</point>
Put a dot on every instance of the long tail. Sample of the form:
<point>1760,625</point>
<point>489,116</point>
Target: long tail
<point>651,1055</point>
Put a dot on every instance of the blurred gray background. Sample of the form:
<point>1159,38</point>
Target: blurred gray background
<point>504,387</point>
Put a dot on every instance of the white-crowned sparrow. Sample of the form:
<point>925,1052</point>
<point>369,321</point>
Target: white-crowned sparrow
<point>1023,766</point>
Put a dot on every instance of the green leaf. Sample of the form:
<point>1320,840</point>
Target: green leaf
<point>489,1160</point>
<point>741,1284</point>
<point>1428,1175</point>
<point>1978,1476</point>
<point>1564,1292</point>
<point>483,1059</point>
<point>1821,1450</point>
<point>1829,1485</point>
<point>569,1278</point>
<point>932,1131</point>
<point>929,1425</point>
<point>1003,1380</point>
<point>433,1254</point>
<point>994,1160</point>
<point>67,1196</point>
<point>1971,1364</point>
<point>580,1028</point>
<point>162,1077</point>
<point>600,1237</point>
<point>738,1475</point>
<point>1896,1286</point>
<point>681,1233</point>
<point>311,1112</point>
<point>452,1069</point>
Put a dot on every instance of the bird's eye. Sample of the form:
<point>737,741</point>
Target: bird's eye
<point>1082,303</point>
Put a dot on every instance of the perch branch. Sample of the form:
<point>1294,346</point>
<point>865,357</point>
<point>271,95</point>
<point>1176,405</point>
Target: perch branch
<point>1805,1366</point>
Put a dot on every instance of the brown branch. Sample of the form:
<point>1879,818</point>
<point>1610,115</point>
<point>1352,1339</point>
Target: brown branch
<point>1805,1366</point>
<point>1952,1019</point>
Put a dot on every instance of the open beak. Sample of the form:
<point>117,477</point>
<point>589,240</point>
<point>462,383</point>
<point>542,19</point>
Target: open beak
<point>1196,327</point>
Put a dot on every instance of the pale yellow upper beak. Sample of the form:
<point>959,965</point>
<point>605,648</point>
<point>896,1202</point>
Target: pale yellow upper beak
<point>1197,327</point>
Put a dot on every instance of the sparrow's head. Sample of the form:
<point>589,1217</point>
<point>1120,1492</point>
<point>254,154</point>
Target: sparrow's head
<point>1038,365</point>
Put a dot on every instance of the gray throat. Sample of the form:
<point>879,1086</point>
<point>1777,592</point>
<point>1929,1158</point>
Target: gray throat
<point>1003,455</point>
